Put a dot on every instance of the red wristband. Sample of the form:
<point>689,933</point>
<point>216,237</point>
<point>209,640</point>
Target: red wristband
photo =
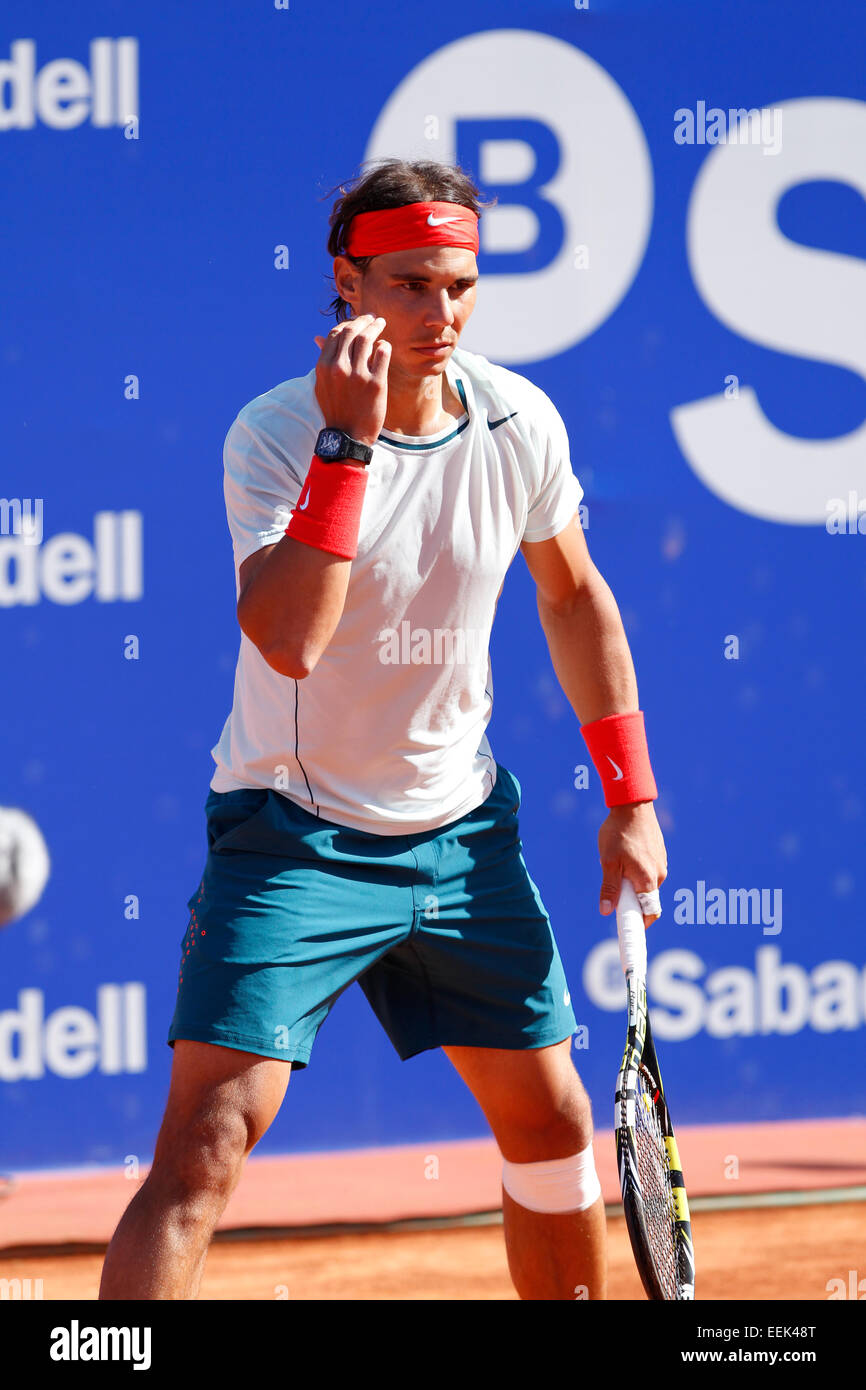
<point>618,748</point>
<point>327,514</point>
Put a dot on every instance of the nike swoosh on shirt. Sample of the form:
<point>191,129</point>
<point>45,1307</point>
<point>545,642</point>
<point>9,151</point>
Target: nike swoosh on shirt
<point>439,221</point>
<point>493,423</point>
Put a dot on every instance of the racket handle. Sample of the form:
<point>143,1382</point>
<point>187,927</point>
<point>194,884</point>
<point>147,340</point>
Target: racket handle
<point>631,931</point>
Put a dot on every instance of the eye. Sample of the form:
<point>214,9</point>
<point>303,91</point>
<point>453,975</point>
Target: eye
<point>461,285</point>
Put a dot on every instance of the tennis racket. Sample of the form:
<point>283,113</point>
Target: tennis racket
<point>651,1178</point>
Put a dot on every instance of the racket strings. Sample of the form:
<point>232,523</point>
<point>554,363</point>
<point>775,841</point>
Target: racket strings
<point>653,1174</point>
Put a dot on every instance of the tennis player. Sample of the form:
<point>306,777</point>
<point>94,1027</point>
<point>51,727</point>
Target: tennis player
<point>359,826</point>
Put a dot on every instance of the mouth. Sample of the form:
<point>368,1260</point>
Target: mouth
<point>434,348</point>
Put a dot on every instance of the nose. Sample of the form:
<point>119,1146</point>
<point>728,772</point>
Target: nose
<point>441,314</point>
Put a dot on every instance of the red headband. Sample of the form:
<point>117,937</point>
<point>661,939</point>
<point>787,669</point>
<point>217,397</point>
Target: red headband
<point>414,224</point>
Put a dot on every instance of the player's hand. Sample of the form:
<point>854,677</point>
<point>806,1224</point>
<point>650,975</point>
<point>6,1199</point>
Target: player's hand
<point>352,377</point>
<point>631,845</point>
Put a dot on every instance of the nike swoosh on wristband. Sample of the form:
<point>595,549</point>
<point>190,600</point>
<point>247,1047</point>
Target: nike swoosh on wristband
<point>439,221</point>
<point>303,505</point>
<point>618,777</point>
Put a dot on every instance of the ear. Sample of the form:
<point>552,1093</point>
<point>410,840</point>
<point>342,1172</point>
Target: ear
<point>347,278</point>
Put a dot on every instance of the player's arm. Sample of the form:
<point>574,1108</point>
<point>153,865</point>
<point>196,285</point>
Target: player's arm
<point>582,625</point>
<point>291,595</point>
<point>590,654</point>
<point>291,600</point>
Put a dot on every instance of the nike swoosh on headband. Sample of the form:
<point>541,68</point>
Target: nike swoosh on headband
<point>618,777</point>
<point>439,221</point>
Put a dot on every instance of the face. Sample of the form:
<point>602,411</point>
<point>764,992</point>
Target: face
<point>424,295</point>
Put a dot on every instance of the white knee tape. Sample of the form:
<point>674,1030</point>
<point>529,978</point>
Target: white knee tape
<point>555,1185</point>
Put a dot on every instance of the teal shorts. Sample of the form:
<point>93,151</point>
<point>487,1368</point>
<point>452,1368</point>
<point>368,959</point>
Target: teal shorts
<point>444,931</point>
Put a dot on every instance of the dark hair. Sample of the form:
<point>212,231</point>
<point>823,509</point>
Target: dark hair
<point>393,184</point>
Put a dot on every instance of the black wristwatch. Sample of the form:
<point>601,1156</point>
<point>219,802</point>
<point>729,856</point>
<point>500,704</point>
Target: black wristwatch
<point>334,445</point>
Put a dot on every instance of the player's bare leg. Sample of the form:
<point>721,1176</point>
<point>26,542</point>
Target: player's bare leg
<point>537,1108</point>
<point>220,1103</point>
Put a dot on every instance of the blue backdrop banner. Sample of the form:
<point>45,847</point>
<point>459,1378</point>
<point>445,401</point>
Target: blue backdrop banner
<point>677,258</point>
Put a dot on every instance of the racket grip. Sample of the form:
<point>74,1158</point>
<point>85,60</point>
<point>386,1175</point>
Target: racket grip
<point>631,930</point>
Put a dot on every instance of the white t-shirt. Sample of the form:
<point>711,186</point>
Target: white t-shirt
<point>387,733</point>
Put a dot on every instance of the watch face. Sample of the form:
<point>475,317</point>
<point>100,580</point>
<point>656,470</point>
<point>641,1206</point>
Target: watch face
<point>329,443</point>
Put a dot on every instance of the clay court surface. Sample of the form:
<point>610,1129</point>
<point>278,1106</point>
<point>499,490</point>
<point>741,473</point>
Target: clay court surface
<point>787,1253</point>
<point>778,1210</point>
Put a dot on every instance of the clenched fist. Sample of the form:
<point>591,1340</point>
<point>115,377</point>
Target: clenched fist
<point>352,377</point>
